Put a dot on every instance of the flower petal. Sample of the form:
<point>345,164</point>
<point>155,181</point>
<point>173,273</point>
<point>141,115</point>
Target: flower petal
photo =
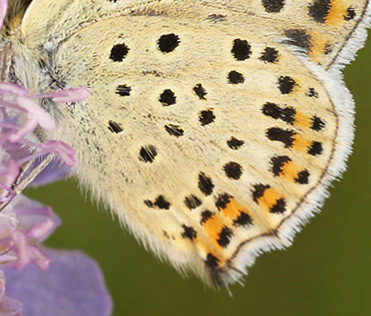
<point>67,95</point>
<point>3,9</point>
<point>12,88</point>
<point>73,285</point>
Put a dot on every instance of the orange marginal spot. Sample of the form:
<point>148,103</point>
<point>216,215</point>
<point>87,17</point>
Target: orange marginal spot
<point>300,143</point>
<point>269,198</point>
<point>318,46</point>
<point>233,209</point>
<point>336,13</point>
<point>302,120</point>
<point>213,226</point>
<point>290,170</point>
<point>204,249</point>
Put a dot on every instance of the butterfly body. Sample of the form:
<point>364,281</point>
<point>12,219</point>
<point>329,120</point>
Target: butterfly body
<point>211,130</point>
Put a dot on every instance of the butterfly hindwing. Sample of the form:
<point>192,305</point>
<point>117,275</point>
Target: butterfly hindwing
<point>205,139</point>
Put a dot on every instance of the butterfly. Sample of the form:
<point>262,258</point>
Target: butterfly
<point>213,128</point>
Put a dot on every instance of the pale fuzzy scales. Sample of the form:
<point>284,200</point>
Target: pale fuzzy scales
<point>109,130</point>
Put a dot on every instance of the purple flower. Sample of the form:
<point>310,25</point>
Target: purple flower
<point>73,285</point>
<point>40,281</point>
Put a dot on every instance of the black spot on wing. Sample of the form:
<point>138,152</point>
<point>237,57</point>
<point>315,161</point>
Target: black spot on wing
<point>192,202</point>
<point>205,184</point>
<point>147,153</point>
<point>270,55</point>
<point>115,127</point>
<point>273,6</point>
<point>189,232</point>
<point>119,52</point>
<point>241,49</point>
<point>319,10</point>
<point>168,42</point>
<point>298,38</point>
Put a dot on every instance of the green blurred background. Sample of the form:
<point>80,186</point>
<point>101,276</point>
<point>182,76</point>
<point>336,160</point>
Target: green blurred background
<point>325,272</point>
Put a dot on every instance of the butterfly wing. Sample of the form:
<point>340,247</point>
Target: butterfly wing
<point>208,138</point>
<point>328,31</point>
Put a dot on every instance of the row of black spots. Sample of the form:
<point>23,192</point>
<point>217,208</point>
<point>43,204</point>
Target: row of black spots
<point>233,170</point>
<point>277,164</point>
<point>192,202</point>
<point>243,218</point>
<point>286,114</point>
<point>160,202</point>
<point>115,127</point>
<point>235,143</point>
<point>166,44</point>
<point>320,10</point>
<point>273,6</point>
<point>269,55</point>
<point>168,97</point>
<point>286,84</point>
<point>174,130</point>
<point>241,51</point>
<point>147,153</point>
<point>284,136</point>
<point>189,232</point>
<point>287,137</point>
<point>259,190</point>
<point>205,184</point>
<point>299,38</point>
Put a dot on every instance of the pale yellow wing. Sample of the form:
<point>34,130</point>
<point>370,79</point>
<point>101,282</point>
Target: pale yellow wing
<point>210,139</point>
<point>329,31</point>
<point>206,140</point>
